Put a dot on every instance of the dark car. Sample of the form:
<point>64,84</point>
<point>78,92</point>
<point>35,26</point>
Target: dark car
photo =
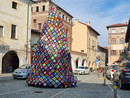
<point>122,74</point>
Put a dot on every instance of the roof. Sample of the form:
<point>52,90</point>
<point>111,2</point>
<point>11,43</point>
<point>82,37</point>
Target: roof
<point>54,4</point>
<point>90,28</point>
<point>105,48</point>
<point>93,30</point>
<point>35,31</point>
<point>117,25</point>
<point>27,1</point>
<point>128,33</point>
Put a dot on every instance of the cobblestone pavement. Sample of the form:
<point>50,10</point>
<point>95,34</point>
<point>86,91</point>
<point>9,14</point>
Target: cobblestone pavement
<point>89,86</point>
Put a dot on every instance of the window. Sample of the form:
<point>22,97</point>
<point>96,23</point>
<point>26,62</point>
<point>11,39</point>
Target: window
<point>69,20</point>
<point>1,30</point>
<point>92,43</point>
<point>113,52</point>
<point>122,30</point>
<point>13,31</point>
<point>43,8</point>
<point>63,17</point>
<point>66,32</point>
<point>39,26</point>
<point>122,41</point>
<point>34,20</point>
<point>66,18</point>
<point>14,5</point>
<point>113,30</point>
<point>89,41</point>
<point>113,41</point>
<point>37,9</point>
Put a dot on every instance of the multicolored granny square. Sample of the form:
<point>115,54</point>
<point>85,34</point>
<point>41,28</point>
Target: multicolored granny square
<point>51,64</point>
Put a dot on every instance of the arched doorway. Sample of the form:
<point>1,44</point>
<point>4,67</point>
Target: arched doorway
<point>10,62</point>
<point>89,64</point>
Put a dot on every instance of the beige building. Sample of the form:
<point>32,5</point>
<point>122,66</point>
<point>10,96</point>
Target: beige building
<point>116,41</point>
<point>84,41</point>
<point>40,11</point>
<point>15,23</point>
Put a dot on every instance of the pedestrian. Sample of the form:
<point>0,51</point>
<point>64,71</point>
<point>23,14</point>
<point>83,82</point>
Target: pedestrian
<point>99,70</point>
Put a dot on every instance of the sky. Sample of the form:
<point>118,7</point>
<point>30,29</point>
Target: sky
<point>100,13</point>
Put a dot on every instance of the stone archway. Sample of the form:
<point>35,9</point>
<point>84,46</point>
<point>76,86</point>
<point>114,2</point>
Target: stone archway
<point>10,62</point>
<point>93,65</point>
<point>77,62</point>
<point>84,62</point>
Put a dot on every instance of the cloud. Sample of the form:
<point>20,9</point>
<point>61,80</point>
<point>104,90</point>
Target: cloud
<point>101,13</point>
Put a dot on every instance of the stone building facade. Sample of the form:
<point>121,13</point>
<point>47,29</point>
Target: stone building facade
<point>116,42</point>
<point>40,11</point>
<point>84,41</point>
<point>127,40</point>
<point>15,34</point>
<point>102,56</point>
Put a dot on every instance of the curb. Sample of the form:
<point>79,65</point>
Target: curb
<point>5,77</point>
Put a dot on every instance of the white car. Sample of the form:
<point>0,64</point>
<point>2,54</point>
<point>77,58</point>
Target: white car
<point>22,72</point>
<point>81,70</point>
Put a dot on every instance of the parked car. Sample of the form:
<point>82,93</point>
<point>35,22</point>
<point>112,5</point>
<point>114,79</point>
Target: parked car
<point>122,74</point>
<point>22,72</point>
<point>110,71</point>
<point>81,70</point>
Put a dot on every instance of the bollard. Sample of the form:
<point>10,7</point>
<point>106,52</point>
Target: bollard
<point>104,74</point>
<point>115,89</point>
<point>104,80</point>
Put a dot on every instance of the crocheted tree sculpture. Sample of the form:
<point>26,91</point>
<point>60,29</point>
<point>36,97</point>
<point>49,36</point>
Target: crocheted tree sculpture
<point>51,65</point>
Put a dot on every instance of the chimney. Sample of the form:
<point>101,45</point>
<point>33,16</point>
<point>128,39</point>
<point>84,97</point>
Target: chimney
<point>76,21</point>
<point>88,23</point>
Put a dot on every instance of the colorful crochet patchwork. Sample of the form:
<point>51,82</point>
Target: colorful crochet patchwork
<point>51,64</point>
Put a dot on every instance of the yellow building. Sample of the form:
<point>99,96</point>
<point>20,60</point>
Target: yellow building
<point>15,23</point>
<point>116,41</point>
<point>84,44</point>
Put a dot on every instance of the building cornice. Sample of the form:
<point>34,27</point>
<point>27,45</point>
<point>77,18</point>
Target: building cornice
<point>117,25</point>
<point>90,28</point>
<point>78,53</point>
<point>117,33</point>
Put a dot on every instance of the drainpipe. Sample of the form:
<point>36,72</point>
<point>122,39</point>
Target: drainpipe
<point>27,29</point>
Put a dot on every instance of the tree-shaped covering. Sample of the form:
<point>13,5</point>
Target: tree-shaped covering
<point>51,64</point>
